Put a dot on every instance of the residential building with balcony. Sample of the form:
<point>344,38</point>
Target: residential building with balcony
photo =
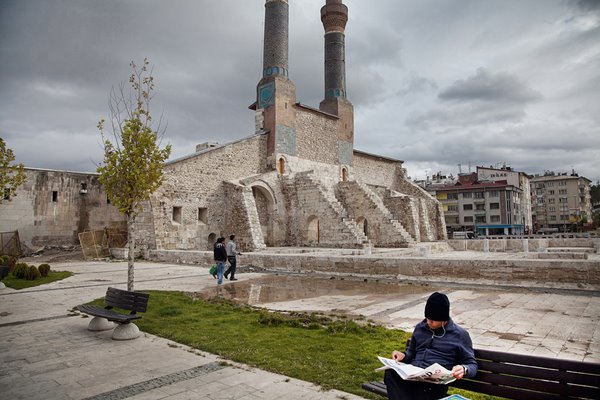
<point>484,207</point>
<point>560,202</point>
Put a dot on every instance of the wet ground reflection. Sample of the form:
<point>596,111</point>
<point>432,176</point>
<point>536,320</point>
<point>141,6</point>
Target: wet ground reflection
<point>291,292</point>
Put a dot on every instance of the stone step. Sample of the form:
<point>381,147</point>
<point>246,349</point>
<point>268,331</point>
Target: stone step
<point>571,250</point>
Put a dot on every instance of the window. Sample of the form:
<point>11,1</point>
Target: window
<point>495,193</point>
<point>552,209</point>
<point>203,215</point>
<point>541,201</point>
<point>467,207</point>
<point>480,207</point>
<point>551,201</point>
<point>553,218</point>
<point>453,208</point>
<point>468,219</point>
<point>177,215</point>
<point>467,195</point>
<point>54,196</point>
<point>480,218</point>
<point>562,200</point>
<point>479,195</point>
<point>494,218</point>
<point>562,191</point>
<point>549,184</point>
<point>562,183</point>
<point>452,196</point>
<point>550,191</point>
<point>494,206</point>
<point>564,208</point>
<point>564,217</point>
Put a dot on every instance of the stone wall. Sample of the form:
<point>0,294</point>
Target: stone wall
<point>52,207</point>
<point>190,207</point>
<point>375,170</point>
<point>316,136</point>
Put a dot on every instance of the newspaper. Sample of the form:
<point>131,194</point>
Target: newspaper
<point>435,373</point>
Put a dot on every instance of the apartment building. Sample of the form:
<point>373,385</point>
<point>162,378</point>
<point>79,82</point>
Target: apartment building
<point>483,206</point>
<point>560,202</point>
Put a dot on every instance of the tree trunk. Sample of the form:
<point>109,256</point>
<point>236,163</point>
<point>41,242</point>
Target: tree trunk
<point>131,255</point>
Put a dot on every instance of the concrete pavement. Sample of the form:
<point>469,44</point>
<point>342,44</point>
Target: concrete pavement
<point>46,351</point>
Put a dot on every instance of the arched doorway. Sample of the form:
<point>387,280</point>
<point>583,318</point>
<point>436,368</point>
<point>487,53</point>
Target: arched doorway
<point>281,165</point>
<point>363,225</point>
<point>212,238</point>
<point>344,175</point>
<point>313,231</point>
<point>265,206</point>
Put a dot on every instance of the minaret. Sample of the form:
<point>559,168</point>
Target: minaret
<point>334,16</point>
<point>276,94</point>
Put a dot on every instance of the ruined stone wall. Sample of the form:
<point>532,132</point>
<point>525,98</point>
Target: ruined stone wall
<point>52,207</point>
<point>404,208</point>
<point>374,170</point>
<point>316,136</point>
<point>189,208</point>
<point>305,202</point>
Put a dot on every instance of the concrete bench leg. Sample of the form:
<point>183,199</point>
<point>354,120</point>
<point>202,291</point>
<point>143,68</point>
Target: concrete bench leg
<point>100,324</point>
<point>126,332</point>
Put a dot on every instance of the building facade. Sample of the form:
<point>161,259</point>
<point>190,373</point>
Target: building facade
<point>482,207</point>
<point>561,202</point>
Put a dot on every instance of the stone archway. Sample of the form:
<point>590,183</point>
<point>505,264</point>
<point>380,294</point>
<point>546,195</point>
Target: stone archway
<point>212,238</point>
<point>265,206</point>
<point>313,230</point>
<point>363,225</point>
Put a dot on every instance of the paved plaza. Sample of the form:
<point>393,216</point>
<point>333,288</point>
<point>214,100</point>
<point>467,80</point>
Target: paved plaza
<point>46,351</point>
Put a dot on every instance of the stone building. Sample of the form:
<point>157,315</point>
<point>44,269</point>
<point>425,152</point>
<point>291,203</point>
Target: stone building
<point>297,180</point>
<point>52,207</point>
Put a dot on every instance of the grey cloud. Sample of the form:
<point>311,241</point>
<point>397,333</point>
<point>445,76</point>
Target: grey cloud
<point>489,87</point>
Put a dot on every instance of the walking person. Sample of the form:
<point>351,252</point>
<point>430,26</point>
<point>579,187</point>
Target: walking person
<point>220,256</point>
<point>232,254</point>
<point>436,339</point>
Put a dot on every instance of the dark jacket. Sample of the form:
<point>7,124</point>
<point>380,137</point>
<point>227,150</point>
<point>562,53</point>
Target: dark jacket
<point>449,347</point>
<point>220,253</point>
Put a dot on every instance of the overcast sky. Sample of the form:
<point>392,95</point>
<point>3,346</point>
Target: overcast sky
<point>435,83</point>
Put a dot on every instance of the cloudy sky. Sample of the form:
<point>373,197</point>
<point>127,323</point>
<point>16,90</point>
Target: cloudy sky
<point>435,83</point>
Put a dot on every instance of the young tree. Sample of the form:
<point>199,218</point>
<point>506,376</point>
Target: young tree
<point>133,161</point>
<point>11,176</point>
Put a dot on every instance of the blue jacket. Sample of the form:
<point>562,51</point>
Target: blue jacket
<point>448,347</point>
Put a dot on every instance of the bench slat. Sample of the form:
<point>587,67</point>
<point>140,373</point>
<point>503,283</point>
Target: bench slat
<point>536,361</point>
<point>133,301</point>
<point>108,314</point>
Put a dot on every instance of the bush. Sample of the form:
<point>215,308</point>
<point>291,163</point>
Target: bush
<point>20,270</point>
<point>44,269</point>
<point>32,273</point>
<point>4,260</point>
<point>11,261</point>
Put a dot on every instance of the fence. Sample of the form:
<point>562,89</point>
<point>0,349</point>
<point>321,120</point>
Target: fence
<point>94,244</point>
<point>10,244</point>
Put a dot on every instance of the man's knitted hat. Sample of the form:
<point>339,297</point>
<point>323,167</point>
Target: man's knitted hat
<point>437,307</point>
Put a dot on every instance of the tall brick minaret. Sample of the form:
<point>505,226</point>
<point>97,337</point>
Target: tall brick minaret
<point>334,16</point>
<point>276,94</point>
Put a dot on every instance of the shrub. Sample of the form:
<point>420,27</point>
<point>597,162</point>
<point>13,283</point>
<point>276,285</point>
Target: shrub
<point>20,270</point>
<point>44,269</point>
<point>11,261</point>
<point>4,260</point>
<point>32,273</point>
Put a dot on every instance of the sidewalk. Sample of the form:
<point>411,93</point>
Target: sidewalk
<point>47,353</point>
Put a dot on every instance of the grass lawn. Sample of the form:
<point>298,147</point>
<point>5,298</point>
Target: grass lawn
<point>12,282</point>
<point>331,352</point>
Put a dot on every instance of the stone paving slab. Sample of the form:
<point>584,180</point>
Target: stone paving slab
<point>46,351</point>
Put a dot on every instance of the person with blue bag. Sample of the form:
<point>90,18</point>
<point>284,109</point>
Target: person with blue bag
<point>220,256</point>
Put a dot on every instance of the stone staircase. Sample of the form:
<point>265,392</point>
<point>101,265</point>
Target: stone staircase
<point>249,205</point>
<point>349,223</point>
<point>381,209</point>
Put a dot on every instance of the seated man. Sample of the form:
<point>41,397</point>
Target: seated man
<point>436,339</point>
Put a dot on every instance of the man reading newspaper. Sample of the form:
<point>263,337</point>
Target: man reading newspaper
<point>436,339</point>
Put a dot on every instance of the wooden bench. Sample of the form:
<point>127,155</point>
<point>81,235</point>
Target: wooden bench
<point>517,376</point>
<point>116,298</point>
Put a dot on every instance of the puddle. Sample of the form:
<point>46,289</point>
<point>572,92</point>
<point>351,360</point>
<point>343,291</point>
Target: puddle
<point>288,292</point>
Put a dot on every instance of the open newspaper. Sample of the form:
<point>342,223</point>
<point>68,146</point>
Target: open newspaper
<point>435,373</point>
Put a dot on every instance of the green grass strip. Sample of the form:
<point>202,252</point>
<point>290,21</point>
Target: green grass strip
<point>12,282</point>
<point>333,352</point>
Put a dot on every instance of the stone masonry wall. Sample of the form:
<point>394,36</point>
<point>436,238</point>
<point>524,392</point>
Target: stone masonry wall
<point>51,208</point>
<point>316,136</point>
<point>194,186</point>
<point>374,170</point>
